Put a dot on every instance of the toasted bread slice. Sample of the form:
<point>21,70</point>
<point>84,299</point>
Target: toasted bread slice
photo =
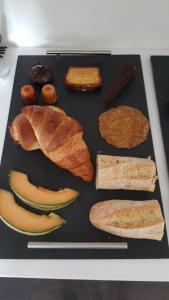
<point>83,78</point>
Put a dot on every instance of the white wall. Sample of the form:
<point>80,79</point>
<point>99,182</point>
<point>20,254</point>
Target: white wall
<point>86,23</point>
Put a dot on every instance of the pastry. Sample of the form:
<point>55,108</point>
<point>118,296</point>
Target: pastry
<point>22,132</point>
<point>41,74</point>
<point>126,173</point>
<point>49,94</point>
<point>123,126</point>
<point>126,218</point>
<point>59,137</point>
<point>125,76</point>
<point>83,78</point>
<point>28,94</point>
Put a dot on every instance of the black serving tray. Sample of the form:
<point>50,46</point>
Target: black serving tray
<point>86,108</point>
<point>160,66</point>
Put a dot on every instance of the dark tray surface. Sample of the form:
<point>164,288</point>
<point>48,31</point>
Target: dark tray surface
<point>160,66</point>
<point>85,107</point>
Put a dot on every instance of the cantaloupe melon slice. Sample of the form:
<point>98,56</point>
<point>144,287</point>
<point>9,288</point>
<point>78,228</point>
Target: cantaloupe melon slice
<point>39,197</point>
<point>24,221</point>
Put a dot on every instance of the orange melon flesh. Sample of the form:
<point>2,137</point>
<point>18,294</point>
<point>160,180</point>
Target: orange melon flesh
<point>24,220</point>
<point>38,195</point>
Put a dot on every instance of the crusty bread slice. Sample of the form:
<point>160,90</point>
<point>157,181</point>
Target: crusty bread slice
<point>83,78</point>
<point>127,173</point>
<point>127,218</point>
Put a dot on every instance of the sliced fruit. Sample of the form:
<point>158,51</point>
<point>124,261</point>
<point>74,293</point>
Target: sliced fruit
<point>24,221</point>
<point>39,197</point>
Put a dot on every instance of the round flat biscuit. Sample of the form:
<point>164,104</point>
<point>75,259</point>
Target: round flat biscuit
<point>123,126</point>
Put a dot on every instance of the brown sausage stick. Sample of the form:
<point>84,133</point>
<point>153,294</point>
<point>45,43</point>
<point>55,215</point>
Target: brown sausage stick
<point>125,76</point>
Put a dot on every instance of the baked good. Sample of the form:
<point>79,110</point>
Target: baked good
<point>124,77</point>
<point>127,218</point>
<point>41,74</point>
<point>22,132</point>
<point>127,173</point>
<point>59,137</point>
<point>83,78</point>
<point>49,94</point>
<point>123,126</point>
<point>28,94</point>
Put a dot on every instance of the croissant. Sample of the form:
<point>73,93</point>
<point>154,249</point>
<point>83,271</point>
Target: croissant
<point>58,136</point>
<point>21,128</point>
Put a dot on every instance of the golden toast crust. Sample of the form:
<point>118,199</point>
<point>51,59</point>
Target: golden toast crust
<point>83,78</point>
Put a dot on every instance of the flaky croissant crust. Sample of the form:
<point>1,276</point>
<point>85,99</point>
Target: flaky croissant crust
<point>58,136</point>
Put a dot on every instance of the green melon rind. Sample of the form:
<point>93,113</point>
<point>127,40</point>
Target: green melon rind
<point>32,233</point>
<point>43,207</point>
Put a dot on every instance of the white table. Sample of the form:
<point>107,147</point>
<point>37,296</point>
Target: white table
<point>131,270</point>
